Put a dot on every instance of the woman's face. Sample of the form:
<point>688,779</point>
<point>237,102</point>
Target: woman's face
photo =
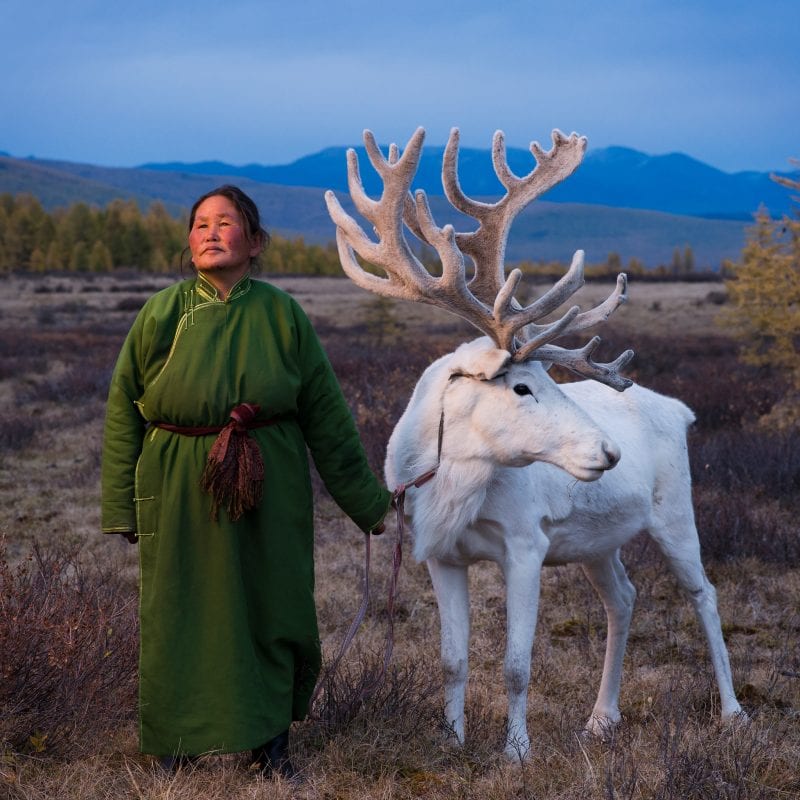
<point>218,240</point>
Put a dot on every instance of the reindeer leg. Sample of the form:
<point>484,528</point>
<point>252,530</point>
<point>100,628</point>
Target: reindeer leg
<point>452,596</point>
<point>678,541</point>
<point>610,581</point>
<point>522,575</point>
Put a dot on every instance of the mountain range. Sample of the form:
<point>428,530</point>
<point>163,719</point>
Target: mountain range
<point>620,200</point>
<point>612,176</point>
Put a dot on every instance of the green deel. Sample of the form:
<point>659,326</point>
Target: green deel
<point>230,648</point>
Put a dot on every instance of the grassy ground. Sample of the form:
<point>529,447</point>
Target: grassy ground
<point>73,599</point>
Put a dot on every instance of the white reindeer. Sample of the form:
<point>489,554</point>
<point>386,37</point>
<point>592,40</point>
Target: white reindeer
<point>508,443</point>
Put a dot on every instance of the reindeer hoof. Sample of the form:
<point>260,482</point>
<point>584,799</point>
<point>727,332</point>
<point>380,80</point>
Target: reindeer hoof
<point>517,751</point>
<point>737,719</point>
<point>450,739</point>
<point>600,727</point>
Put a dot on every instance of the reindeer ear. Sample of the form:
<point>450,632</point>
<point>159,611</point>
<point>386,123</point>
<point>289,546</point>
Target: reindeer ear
<point>480,359</point>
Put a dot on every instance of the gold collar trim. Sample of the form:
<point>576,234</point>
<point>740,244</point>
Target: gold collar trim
<point>208,291</point>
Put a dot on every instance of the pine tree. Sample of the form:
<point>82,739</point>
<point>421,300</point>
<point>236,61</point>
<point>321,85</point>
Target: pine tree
<point>79,258</point>
<point>100,257</point>
<point>55,258</point>
<point>765,297</point>
<point>167,237</point>
<point>114,231</point>
<point>137,246</point>
<point>676,267</point>
<point>38,262</point>
<point>688,260</point>
<point>635,267</point>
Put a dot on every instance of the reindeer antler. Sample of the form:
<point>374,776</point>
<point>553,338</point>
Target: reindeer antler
<point>487,301</point>
<point>406,277</point>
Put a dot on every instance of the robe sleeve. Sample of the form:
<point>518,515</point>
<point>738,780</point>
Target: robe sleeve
<point>122,437</point>
<point>332,437</point>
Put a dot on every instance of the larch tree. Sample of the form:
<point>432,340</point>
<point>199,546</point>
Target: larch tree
<point>765,304</point>
<point>100,259</point>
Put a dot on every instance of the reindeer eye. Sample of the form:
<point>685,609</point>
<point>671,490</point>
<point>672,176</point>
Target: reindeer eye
<point>521,389</point>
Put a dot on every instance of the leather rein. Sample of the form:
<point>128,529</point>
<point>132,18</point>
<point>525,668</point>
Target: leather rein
<point>398,502</point>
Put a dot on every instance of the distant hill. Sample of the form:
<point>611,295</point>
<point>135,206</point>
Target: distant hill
<point>619,200</point>
<point>613,176</point>
<point>54,186</point>
<point>553,231</point>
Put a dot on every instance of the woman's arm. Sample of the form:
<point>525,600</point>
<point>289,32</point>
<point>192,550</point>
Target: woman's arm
<point>332,436</point>
<point>122,439</point>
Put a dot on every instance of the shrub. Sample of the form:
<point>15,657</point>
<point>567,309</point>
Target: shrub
<point>377,382</point>
<point>130,304</point>
<point>747,489</point>
<point>80,382</point>
<point>367,692</point>
<point>752,462</point>
<point>68,650</point>
<point>384,715</point>
<point>16,432</point>
<point>734,526</point>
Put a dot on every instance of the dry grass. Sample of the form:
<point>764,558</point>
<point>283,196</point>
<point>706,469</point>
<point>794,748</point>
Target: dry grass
<point>57,347</point>
<point>68,635</point>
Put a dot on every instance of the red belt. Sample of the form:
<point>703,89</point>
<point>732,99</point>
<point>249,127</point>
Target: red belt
<point>207,430</point>
<point>234,471</point>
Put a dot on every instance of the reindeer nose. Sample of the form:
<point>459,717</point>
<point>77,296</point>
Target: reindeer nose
<point>612,453</point>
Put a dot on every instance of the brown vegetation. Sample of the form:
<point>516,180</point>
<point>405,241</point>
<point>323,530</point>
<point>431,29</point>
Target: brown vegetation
<point>68,637</point>
<point>88,239</point>
<point>68,607</point>
<point>765,298</point>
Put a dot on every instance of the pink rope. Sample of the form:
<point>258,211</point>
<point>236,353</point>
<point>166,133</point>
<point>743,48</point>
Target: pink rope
<point>398,501</point>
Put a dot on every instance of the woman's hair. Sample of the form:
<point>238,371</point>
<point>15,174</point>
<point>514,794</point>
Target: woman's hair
<point>247,209</point>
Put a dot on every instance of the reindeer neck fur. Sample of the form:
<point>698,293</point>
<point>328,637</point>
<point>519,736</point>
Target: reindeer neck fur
<point>444,507</point>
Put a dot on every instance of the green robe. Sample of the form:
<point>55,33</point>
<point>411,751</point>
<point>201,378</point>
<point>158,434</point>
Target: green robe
<point>229,642</point>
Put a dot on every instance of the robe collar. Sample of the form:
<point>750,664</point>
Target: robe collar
<point>207,290</point>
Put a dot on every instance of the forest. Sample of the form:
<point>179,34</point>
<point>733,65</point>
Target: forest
<point>84,238</point>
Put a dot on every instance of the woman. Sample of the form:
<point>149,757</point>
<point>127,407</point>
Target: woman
<point>219,387</point>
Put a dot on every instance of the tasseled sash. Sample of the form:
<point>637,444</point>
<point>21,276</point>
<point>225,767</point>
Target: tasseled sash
<point>234,471</point>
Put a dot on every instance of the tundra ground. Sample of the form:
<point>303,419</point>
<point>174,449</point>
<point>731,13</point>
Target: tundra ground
<point>68,599</point>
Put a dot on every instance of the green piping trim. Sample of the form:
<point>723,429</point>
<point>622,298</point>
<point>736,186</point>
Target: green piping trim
<point>183,324</point>
<point>138,503</point>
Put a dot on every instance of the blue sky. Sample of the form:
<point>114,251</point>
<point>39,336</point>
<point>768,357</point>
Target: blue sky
<point>261,81</point>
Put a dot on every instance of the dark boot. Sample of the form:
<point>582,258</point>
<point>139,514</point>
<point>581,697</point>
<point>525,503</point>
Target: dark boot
<point>175,764</point>
<point>272,759</point>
